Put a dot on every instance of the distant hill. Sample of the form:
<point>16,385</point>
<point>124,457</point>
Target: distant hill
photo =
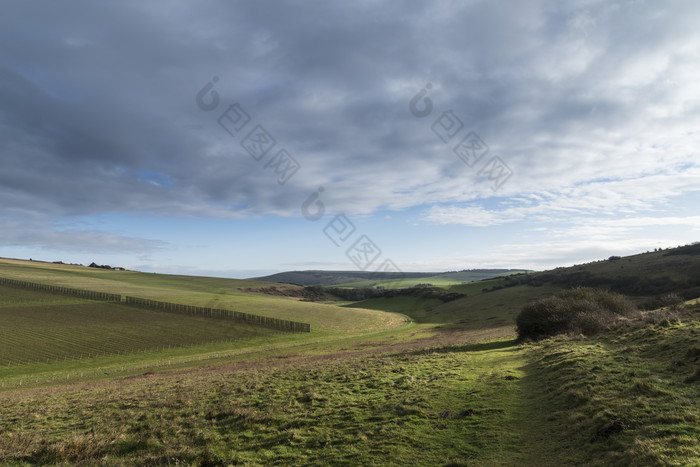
<point>648,280</point>
<point>317,277</point>
<point>649,275</point>
<point>370,278</point>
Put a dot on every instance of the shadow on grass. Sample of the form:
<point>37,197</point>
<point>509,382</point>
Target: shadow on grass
<point>477,347</point>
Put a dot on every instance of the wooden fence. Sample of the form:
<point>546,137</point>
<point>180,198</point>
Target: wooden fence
<point>89,294</point>
<point>273,323</point>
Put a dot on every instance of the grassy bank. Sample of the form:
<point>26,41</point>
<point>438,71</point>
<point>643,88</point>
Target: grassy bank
<point>629,397</point>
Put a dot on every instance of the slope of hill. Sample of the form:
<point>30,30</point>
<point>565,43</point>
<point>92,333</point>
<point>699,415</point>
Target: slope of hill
<point>436,280</point>
<point>239,295</point>
<point>385,279</point>
<point>628,397</point>
<point>44,326</point>
<point>645,278</point>
<point>454,389</point>
<point>334,277</point>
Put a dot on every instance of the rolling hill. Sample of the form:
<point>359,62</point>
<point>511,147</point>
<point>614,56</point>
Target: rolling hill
<point>453,387</point>
<point>388,279</point>
<point>246,296</point>
<point>645,278</point>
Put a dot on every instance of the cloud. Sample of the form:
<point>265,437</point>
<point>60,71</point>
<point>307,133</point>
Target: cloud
<point>593,104</point>
<point>540,255</point>
<point>616,228</point>
<point>597,198</point>
<point>36,233</point>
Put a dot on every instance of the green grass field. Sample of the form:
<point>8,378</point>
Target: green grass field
<point>40,326</point>
<point>439,280</point>
<point>407,408</point>
<point>393,280</point>
<point>211,292</point>
<point>367,388</point>
<point>483,309</point>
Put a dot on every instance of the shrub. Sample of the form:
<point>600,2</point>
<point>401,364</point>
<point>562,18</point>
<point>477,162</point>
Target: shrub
<point>692,249</point>
<point>672,301</point>
<point>580,310</point>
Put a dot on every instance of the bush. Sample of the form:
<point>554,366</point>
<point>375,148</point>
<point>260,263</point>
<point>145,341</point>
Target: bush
<point>580,310</point>
<point>672,301</point>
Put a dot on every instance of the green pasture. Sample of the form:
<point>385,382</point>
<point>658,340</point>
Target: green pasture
<point>57,328</point>
<point>439,280</point>
<point>365,387</point>
<point>231,294</point>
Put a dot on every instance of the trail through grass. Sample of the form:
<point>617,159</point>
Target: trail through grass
<point>451,405</point>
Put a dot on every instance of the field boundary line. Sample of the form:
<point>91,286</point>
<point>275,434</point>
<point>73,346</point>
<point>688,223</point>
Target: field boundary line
<point>262,321</point>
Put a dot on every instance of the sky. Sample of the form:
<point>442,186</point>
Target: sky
<point>241,138</point>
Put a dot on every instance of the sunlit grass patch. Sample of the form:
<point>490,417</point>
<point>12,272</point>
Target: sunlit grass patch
<point>626,397</point>
<point>448,405</point>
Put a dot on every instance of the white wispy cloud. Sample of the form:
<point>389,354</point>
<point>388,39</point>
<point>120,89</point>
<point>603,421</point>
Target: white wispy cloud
<point>603,198</point>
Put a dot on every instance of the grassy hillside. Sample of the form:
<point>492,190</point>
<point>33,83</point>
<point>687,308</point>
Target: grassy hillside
<point>333,277</point>
<point>404,409</point>
<point>630,397</point>
<point>232,294</point>
<point>40,326</point>
<point>437,280</point>
<point>455,388</point>
<point>644,277</point>
<point>483,309</point>
<point>382,279</point>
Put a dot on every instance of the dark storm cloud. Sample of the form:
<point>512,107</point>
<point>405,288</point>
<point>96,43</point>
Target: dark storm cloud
<point>97,109</point>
